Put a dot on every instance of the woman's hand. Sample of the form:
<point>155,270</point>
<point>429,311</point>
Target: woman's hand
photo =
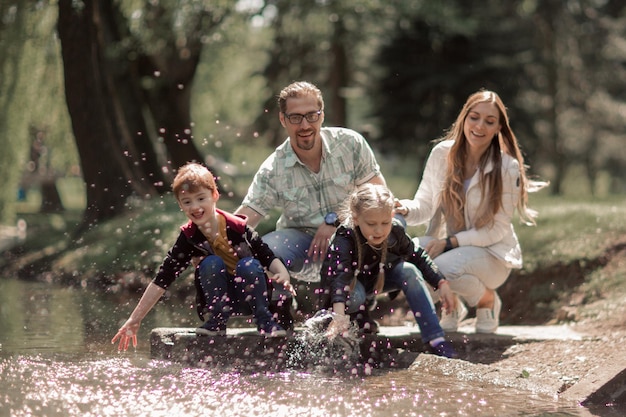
<point>435,247</point>
<point>125,334</point>
<point>400,208</point>
<point>448,300</point>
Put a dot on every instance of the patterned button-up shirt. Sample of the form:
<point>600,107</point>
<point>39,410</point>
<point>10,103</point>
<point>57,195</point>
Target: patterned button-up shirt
<point>304,196</point>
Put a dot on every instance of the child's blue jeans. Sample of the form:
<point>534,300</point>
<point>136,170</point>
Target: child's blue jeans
<point>242,294</point>
<point>406,277</point>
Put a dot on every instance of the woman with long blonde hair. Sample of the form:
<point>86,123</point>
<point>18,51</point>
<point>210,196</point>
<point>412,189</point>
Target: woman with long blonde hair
<point>473,182</point>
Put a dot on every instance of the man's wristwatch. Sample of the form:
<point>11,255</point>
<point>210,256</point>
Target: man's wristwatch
<point>331,219</point>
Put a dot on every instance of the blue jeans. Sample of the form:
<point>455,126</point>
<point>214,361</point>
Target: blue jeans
<point>406,277</point>
<point>291,245</point>
<point>242,294</point>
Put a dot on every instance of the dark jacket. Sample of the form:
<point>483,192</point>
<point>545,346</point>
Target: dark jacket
<point>342,261</point>
<point>192,243</point>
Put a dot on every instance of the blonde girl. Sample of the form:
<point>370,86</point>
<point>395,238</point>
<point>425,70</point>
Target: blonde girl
<point>371,254</point>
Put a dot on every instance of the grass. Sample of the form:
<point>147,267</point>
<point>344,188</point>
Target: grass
<point>570,258</point>
<point>571,229</point>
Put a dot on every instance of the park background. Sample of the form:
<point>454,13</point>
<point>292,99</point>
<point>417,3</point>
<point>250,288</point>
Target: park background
<point>100,101</point>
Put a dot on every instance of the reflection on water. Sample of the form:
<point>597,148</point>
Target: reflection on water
<point>56,360</point>
<point>108,386</point>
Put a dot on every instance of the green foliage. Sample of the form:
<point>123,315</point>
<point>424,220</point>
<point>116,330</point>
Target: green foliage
<point>31,96</point>
<point>436,58</point>
<point>570,229</point>
<point>229,91</point>
<point>136,241</point>
<point>408,68</point>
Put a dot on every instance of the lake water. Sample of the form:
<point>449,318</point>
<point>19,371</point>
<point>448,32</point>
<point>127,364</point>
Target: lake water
<point>56,359</point>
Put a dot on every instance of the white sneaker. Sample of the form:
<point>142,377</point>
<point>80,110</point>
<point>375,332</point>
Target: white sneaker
<point>487,319</point>
<point>450,321</point>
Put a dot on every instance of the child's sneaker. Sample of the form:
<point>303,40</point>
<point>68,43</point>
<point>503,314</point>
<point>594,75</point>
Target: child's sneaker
<point>444,349</point>
<point>487,319</point>
<point>271,329</point>
<point>209,328</point>
<point>450,321</point>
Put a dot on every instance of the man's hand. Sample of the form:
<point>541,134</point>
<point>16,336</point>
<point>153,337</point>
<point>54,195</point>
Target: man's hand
<point>321,240</point>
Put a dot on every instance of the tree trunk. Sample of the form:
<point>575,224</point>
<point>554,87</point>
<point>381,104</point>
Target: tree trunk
<point>546,29</point>
<point>109,93</point>
<point>86,89</point>
<point>136,137</point>
<point>338,79</point>
<point>171,68</point>
<point>50,197</point>
<point>169,102</point>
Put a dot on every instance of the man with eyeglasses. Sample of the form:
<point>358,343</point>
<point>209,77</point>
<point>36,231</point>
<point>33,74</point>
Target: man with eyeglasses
<point>308,177</point>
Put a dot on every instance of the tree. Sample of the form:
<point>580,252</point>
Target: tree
<point>436,59</point>
<point>29,99</point>
<point>12,22</point>
<point>548,84</point>
<point>333,52</point>
<point>168,54</point>
<point>578,109</point>
<point>293,55</point>
<point>129,95</point>
<point>93,106</point>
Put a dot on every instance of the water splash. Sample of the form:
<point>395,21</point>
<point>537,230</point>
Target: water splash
<point>313,349</point>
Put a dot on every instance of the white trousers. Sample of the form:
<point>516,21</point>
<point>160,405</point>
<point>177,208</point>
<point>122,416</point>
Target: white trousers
<point>471,270</point>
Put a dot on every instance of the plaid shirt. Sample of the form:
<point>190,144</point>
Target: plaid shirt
<point>305,197</point>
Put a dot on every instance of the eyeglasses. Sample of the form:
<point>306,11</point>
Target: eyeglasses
<point>296,119</point>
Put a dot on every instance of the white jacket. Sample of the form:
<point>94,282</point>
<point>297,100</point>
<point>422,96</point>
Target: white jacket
<point>498,238</point>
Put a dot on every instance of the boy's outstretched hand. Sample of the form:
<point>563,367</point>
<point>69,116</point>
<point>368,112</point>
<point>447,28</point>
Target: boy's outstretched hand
<point>125,334</point>
<point>128,331</point>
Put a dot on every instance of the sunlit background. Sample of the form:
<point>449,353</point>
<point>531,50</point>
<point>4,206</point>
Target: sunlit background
<point>101,101</point>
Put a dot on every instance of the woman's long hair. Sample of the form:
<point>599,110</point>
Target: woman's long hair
<point>453,195</point>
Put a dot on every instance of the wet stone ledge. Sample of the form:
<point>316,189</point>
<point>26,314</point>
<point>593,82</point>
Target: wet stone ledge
<point>393,347</point>
<point>244,348</point>
<point>239,348</point>
<point>400,347</point>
